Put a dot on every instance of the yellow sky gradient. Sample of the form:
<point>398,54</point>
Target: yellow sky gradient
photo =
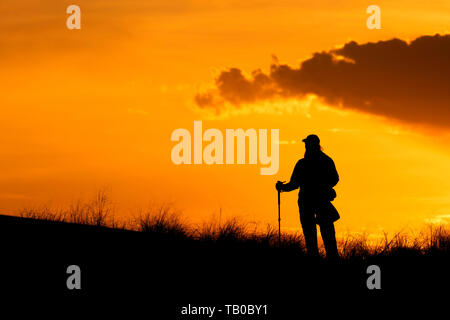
<point>81,110</point>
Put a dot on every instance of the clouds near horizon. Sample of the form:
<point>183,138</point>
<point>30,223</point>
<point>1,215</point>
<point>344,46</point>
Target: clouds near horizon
<point>404,81</point>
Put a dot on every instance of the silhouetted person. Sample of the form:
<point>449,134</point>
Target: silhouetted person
<point>316,176</point>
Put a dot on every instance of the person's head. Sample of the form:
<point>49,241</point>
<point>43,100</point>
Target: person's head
<point>312,143</point>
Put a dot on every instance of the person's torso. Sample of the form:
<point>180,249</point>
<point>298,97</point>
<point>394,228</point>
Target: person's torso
<point>314,176</point>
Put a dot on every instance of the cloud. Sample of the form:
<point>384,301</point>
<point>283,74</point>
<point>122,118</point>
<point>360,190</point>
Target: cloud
<point>405,81</point>
<point>439,219</point>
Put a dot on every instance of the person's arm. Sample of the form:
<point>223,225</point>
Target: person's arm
<point>333,175</point>
<point>294,183</point>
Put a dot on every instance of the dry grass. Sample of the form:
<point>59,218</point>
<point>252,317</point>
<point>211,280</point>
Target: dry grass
<point>164,221</point>
<point>161,220</point>
<point>432,239</point>
<point>98,212</point>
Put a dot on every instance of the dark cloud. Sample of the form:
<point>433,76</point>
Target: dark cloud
<point>407,82</point>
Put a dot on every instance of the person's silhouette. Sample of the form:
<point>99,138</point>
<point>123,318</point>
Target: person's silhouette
<point>316,176</point>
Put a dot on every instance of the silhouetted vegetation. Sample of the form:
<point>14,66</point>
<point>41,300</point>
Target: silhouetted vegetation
<point>98,212</point>
<point>166,223</point>
<point>159,251</point>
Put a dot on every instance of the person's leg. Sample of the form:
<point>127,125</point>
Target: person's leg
<point>329,239</point>
<point>308,222</point>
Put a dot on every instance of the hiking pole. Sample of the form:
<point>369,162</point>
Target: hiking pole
<point>279,219</point>
<point>278,186</point>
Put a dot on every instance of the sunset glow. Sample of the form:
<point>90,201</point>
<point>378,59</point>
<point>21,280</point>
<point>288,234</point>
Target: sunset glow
<point>95,108</point>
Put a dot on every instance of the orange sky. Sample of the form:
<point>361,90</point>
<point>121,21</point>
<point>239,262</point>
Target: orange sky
<point>85,109</point>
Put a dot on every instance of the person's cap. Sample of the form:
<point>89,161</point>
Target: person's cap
<point>312,138</point>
